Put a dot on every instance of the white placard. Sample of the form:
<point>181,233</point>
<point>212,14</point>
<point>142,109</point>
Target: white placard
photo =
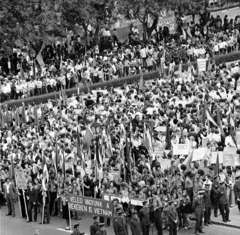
<point>180,149</point>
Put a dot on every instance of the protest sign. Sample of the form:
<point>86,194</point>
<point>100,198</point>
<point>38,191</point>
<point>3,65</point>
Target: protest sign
<point>180,149</point>
<point>205,142</point>
<point>202,65</point>
<point>229,155</point>
<point>238,138</point>
<point>229,159</point>
<point>158,148</point>
<point>133,201</point>
<point>89,205</point>
<point>165,163</point>
<point>198,154</point>
<point>21,180</point>
<point>214,157</point>
<point>115,174</point>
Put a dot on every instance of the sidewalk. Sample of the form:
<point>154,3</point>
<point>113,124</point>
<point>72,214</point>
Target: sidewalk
<point>234,217</point>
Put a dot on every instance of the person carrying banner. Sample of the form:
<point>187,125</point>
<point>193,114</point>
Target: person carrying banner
<point>32,196</point>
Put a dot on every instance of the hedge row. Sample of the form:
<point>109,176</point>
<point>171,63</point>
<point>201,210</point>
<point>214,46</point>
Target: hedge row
<point>115,83</point>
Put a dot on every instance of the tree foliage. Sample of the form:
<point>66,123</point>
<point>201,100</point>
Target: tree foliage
<point>85,13</point>
<point>29,23</point>
<point>143,10</point>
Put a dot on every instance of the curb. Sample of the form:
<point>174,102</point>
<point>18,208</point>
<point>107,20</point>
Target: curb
<point>226,224</point>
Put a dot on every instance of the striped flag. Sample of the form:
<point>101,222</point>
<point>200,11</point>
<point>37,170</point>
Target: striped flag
<point>210,119</point>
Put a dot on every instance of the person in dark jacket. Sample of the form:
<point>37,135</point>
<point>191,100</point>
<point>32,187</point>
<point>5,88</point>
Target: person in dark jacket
<point>32,196</point>
<point>145,218</point>
<point>170,217</point>
<point>223,202</point>
<point>207,205</point>
<point>237,190</point>
<point>120,224</point>
<point>135,224</point>
<point>198,208</point>
<point>101,231</point>
<point>94,227</point>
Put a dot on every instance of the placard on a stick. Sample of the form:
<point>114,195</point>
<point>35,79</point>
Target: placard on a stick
<point>21,180</point>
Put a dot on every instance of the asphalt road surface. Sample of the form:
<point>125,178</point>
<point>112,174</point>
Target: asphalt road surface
<point>18,226</point>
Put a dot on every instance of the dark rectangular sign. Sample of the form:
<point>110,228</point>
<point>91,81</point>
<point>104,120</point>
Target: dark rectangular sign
<point>90,205</point>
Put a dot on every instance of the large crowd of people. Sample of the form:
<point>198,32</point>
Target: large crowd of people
<point>122,142</point>
<point>68,63</point>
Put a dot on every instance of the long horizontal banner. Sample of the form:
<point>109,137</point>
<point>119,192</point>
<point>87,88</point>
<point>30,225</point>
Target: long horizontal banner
<point>133,201</point>
<point>90,205</point>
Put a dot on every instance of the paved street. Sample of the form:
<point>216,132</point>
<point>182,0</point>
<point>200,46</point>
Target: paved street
<point>16,225</point>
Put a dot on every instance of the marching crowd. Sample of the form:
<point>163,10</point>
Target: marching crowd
<point>68,64</point>
<point>114,142</point>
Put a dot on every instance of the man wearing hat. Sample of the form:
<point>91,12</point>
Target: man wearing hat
<point>208,205</point>
<point>223,201</point>
<point>135,224</point>
<point>95,226</point>
<point>169,215</point>
<point>237,189</point>
<point>198,208</point>
<point>76,230</point>
<point>145,218</point>
<point>120,224</point>
<point>101,231</point>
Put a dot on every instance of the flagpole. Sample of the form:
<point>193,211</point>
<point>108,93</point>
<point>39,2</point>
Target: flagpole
<point>25,204</point>
<point>43,207</point>
<point>70,220</point>
<point>20,205</point>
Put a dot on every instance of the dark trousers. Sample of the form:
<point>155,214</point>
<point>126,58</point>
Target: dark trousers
<point>31,207</point>
<point>22,203</point>
<point>198,226</point>
<point>215,206</point>
<point>145,229</point>
<point>46,217</point>
<point>10,203</point>
<point>207,215</point>
<point>224,210</point>
<point>158,221</point>
<point>53,203</point>
<point>238,204</point>
<point>172,228</point>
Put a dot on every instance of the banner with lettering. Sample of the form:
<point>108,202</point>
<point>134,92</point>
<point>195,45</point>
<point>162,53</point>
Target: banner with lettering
<point>180,149</point>
<point>199,154</point>
<point>89,205</point>
<point>202,65</point>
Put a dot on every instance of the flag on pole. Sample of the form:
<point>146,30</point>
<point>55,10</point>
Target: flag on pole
<point>24,114</point>
<point>168,137</point>
<point>22,75</point>
<point>188,160</point>
<point>141,83</point>
<point>12,172</point>
<point>87,138</point>
<point>63,166</point>
<point>210,119</point>
<point>39,58</point>
<point>45,178</point>
<point>17,119</point>
<point>216,170</point>
<point>79,154</point>
<point>219,122</point>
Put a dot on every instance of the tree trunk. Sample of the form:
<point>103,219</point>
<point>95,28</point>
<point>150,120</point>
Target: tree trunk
<point>153,27</point>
